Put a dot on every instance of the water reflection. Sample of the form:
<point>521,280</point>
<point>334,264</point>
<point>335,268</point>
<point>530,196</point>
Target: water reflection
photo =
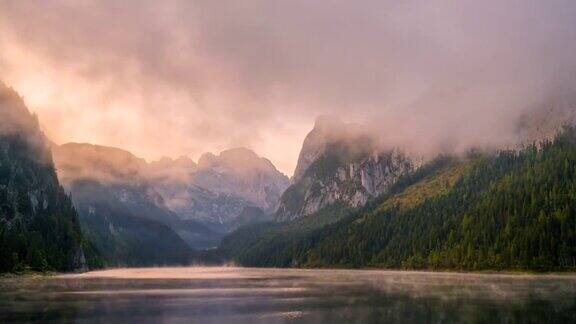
<point>239,295</point>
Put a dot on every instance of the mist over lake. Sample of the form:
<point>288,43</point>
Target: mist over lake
<point>248,295</point>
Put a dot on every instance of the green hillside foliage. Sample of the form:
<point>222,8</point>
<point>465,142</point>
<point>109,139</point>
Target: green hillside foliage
<point>436,184</point>
<point>514,210</point>
<point>271,243</point>
<point>125,238</point>
<point>39,228</point>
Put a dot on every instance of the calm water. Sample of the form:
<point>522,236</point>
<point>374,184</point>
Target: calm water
<point>239,295</point>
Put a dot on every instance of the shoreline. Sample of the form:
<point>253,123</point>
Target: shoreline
<point>47,274</point>
<point>30,274</point>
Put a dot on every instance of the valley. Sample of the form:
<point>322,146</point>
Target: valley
<point>287,161</point>
<point>351,203</point>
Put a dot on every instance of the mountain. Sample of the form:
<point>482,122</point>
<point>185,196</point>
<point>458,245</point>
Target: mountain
<point>250,215</point>
<point>197,202</point>
<point>220,188</point>
<point>240,172</point>
<point>122,213</point>
<point>339,163</point>
<point>126,237</point>
<point>39,227</point>
<point>509,210</point>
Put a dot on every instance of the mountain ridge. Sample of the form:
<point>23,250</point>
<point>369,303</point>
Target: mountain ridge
<point>509,210</point>
<point>213,192</point>
<point>39,227</point>
<point>340,162</point>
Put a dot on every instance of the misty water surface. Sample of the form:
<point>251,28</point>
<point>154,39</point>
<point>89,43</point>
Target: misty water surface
<point>241,295</point>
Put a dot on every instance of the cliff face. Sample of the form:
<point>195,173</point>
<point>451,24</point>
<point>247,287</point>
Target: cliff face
<point>339,163</point>
<point>221,187</point>
<point>213,192</point>
<point>121,210</point>
<point>39,227</point>
<point>242,173</point>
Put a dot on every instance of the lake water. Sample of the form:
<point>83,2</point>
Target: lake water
<point>242,295</point>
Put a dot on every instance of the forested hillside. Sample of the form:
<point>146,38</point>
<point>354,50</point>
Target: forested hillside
<point>514,210</point>
<point>269,243</point>
<point>124,236</point>
<point>39,227</point>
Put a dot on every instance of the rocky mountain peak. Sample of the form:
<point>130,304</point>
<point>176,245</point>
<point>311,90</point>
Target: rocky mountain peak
<point>207,160</point>
<point>327,123</point>
<point>238,160</point>
<point>240,172</point>
<point>214,191</point>
<point>168,163</point>
<point>340,163</point>
<point>185,162</point>
<point>328,130</point>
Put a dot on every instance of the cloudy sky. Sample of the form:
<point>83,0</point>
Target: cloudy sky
<point>182,77</point>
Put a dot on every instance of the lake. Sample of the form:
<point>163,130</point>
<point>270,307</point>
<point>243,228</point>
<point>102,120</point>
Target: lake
<point>247,295</point>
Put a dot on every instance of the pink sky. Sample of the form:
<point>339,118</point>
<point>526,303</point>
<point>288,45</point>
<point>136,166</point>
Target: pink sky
<point>177,77</point>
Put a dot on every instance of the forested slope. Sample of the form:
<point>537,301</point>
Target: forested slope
<point>39,227</point>
<point>514,210</point>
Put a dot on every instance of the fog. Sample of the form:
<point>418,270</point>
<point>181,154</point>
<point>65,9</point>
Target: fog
<point>185,77</point>
<point>257,295</point>
<point>17,122</point>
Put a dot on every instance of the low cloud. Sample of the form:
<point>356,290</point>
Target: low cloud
<point>184,77</point>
